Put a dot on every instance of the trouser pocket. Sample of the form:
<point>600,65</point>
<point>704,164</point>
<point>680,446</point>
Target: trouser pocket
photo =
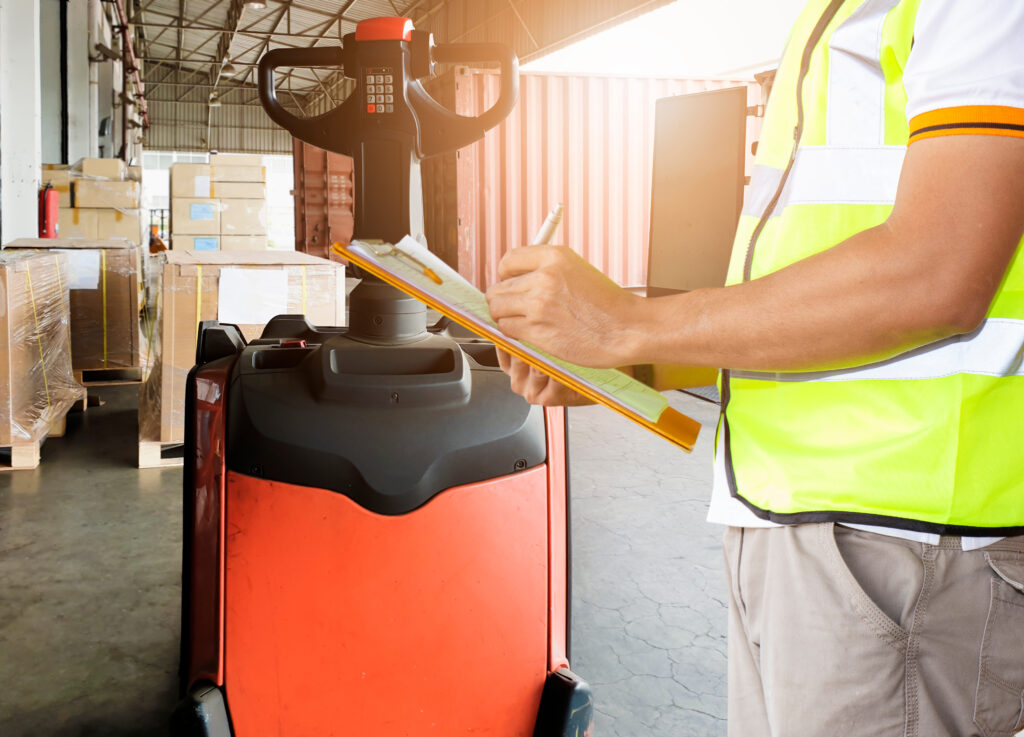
<point>999,701</point>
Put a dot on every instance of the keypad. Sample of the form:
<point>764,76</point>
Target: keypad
<point>380,91</point>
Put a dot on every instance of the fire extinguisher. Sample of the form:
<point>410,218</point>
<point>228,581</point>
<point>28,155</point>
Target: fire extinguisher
<point>48,207</point>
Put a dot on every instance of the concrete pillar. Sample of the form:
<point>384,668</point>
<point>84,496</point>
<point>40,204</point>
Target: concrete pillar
<point>20,137</point>
<point>50,74</point>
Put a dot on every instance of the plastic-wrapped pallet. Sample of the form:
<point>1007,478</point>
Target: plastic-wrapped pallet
<point>36,384</point>
<point>103,276</point>
<point>244,288</point>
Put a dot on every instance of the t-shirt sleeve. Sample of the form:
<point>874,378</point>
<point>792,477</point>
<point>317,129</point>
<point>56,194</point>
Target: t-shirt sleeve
<point>965,72</point>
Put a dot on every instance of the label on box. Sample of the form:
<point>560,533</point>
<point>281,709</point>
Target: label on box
<point>252,296</point>
<point>201,187</point>
<point>200,212</point>
<point>83,267</point>
<point>205,244</point>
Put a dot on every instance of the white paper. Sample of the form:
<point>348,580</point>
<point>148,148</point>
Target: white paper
<point>201,186</point>
<point>83,267</point>
<point>252,296</point>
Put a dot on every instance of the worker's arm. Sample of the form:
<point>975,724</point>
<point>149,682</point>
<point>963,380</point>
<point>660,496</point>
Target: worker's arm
<point>928,272</point>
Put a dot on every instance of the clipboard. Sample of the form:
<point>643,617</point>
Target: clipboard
<point>670,424</point>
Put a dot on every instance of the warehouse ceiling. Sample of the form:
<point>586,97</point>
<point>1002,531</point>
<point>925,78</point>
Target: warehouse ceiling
<point>192,49</point>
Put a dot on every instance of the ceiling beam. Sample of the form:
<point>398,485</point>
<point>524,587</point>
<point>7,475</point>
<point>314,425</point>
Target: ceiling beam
<point>226,37</point>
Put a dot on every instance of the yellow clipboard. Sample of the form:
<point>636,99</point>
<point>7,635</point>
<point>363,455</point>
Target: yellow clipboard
<point>672,425</point>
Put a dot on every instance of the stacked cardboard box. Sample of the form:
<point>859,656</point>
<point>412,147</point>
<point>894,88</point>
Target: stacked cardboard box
<point>103,278</point>
<point>220,206</point>
<point>36,383</point>
<point>99,199</point>
<point>246,289</point>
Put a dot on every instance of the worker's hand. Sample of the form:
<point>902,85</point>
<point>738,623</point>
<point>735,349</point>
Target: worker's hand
<point>537,387</point>
<point>550,297</point>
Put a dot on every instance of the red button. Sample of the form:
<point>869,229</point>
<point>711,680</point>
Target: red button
<point>293,344</point>
<point>371,108</point>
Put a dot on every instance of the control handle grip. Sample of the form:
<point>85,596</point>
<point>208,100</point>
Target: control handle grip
<point>325,56</point>
<point>509,74</point>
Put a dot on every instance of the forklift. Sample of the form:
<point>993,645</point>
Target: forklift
<point>376,528</point>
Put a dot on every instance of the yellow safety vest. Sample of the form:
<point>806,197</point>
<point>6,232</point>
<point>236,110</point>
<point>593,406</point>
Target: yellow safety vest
<point>932,440</point>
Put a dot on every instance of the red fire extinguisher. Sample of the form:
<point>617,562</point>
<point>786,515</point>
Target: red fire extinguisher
<point>48,207</point>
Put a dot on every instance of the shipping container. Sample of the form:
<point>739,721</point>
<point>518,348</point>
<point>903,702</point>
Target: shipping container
<point>324,190</point>
<point>585,141</point>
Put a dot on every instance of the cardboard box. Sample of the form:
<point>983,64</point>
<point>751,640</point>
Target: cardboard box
<point>195,216</point>
<point>105,168</point>
<point>238,190</point>
<point>236,160</point>
<point>243,217</point>
<point>200,180</point>
<point>100,193</point>
<point>220,286</point>
<point>244,243</point>
<point>191,180</point>
<point>195,242</point>
<point>221,173</point>
<point>73,222</point>
<point>113,224</point>
<point>55,167</point>
<point>36,383</point>
<point>103,279</point>
<point>60,179</point>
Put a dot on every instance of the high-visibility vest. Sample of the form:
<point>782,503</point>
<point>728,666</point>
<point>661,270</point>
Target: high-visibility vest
<point>931,440</point>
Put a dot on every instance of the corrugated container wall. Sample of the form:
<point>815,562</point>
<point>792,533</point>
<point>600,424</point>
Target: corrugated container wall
<point>584,141</point>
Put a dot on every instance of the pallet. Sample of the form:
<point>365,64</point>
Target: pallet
<point>20,456</point>
<point>25,456</point>
<point>108,377</point>
<point>154,454</point>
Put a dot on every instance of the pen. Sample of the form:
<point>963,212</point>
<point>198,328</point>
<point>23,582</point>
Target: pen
<point>427,271</point>
<point>547,230</point>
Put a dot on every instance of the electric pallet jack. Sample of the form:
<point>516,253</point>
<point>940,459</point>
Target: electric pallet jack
<point>376,526</point>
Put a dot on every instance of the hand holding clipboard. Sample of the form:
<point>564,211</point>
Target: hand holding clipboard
<point>410,267</point>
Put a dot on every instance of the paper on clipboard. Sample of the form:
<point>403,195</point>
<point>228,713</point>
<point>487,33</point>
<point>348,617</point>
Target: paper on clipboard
<point>404,265</point>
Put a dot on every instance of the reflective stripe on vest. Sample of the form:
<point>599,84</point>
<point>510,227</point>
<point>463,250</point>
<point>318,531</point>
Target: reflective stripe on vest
<point>927,440</point>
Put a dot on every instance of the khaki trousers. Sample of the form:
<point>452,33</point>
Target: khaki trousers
<point>834,631</point>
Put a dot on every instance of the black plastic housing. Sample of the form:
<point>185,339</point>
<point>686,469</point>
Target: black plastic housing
<point>388,426</point>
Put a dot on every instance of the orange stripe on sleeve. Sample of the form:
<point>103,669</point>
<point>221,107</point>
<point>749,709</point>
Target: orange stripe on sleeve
<point>969,120</point>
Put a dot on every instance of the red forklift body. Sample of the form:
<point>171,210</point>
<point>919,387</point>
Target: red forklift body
<point>352,606</point>
<point>376,526</point>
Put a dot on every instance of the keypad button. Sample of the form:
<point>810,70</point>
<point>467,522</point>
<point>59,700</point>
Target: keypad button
<point>372,88</point>
<point>371,108</point>
<point>380,79</point>
<point>389,79</point>
<point>389,88</point>
<point>390,108</point>
<point>369,79</point>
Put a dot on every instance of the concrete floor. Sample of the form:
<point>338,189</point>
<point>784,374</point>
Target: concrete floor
<point>89,581</point>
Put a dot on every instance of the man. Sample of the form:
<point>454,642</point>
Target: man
<point>870,454</point>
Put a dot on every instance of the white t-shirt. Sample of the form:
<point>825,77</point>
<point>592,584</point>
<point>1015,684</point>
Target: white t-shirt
<point>964,75</point>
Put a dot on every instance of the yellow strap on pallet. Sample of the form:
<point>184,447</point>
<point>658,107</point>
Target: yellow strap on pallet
<point>303,289</point>
<point>103,281</point>
<point>39,336</point>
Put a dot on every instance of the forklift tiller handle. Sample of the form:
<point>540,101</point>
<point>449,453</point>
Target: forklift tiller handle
<point>508,94</point>
<point>326,56</point>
